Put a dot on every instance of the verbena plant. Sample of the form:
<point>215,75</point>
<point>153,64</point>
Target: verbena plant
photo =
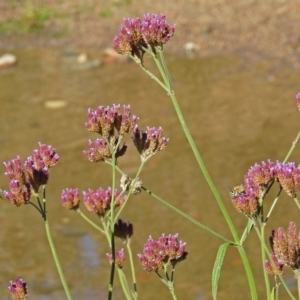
<point>140,38</point>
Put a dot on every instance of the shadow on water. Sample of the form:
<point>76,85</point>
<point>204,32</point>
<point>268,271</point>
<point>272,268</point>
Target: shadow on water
<point>239,113</point>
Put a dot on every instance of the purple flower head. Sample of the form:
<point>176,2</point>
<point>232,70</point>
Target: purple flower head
<point>104,120</point>
<point>28,178</point>
<point>260,174</point>
<point>288,175</point>
<point>298,100</point>
<point>135,35</point>
<point>119,258</point>
<point>36,176</point>
<point>257,181</point>
<point>14,170</point>
<point>18,193</point>
<point>129,41</point>
<point>275,269</point>
<point>99,201</point>
<point>19,187</point>
<point>101,120</point>
<point>156,31</point>
<point>99,150</point>
<point>18,289</point>
<point>246,204</point>
<point>150,142</point>
<point>70,198</point>
<point>125,123</point>
<point>44,157</point>
<point>123,230</point>
<point>285,245</point>
<point>167,249</point>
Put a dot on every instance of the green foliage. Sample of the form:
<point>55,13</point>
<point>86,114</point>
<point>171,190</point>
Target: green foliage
<point>217,268</point>
<point>31,20</point>
<point>106,13</point>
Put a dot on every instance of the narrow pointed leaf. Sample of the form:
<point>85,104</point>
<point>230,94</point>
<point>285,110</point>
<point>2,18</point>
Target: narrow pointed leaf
<point>272,294</point>
<point>217,269</point>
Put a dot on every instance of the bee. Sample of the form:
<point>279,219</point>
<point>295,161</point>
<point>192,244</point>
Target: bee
<point>237,190</point>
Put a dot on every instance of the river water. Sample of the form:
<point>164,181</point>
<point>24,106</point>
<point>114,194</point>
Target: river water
<point>239,111</point>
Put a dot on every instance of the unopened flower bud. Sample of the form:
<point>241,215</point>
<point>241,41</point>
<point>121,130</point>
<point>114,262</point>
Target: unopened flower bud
<point>18,289</point>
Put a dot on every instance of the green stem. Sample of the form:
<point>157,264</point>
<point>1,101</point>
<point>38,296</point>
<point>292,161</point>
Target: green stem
<point>112,224</point>
<point>248,272</point>
<point>197,155</point>
<point>56,260</point>
<point>173,294</point>
<point>132,270</point>
<point>292,148</point>
<point>272,262</point>
<point>263,256</point>
<point>112,206</point>
<point>89,221</point>
<point>246,231</point>
<point>263,245</point>
<point>124,284</point>
<point>271,209</point>
<point>106,230</point>
<point>297,202</point>
<point>131,188</point>
<point>186,216</point>
<point>152,76</point>
<point>204,170</point>
<point>112,269</point>
<point>166,70</point>
<point>209,180</point>
<point>162,67</point>
<point>189,217</point>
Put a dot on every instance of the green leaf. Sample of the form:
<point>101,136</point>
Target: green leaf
<point>272,294</point>
<point>217,269</point>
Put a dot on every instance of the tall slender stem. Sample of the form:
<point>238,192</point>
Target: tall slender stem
<point>131,188</point>
<point>132,269</point>
<point>124,284</point>
<point>263,257</point>
<point>189,218</point>
<point>112,269</point>
<point>292,148</point>
<point>201,164</point>
<point>112,223</point>
<point>89,221</point>
<point>56,260</point>
<point>272,262</point>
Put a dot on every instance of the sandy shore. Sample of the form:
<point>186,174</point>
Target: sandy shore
<point>252,28</point>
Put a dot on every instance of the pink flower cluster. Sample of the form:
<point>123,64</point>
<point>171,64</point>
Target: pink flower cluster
<point>167,249</point>
<point>98,201</point>
<point>119,258</point>
<point>29,177</point>
<point>285,247</point>
<point>150,142</point>
<point>106,121</point>
<point>258,179</point>
<point>136,35</point>
<point>70,198</point>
